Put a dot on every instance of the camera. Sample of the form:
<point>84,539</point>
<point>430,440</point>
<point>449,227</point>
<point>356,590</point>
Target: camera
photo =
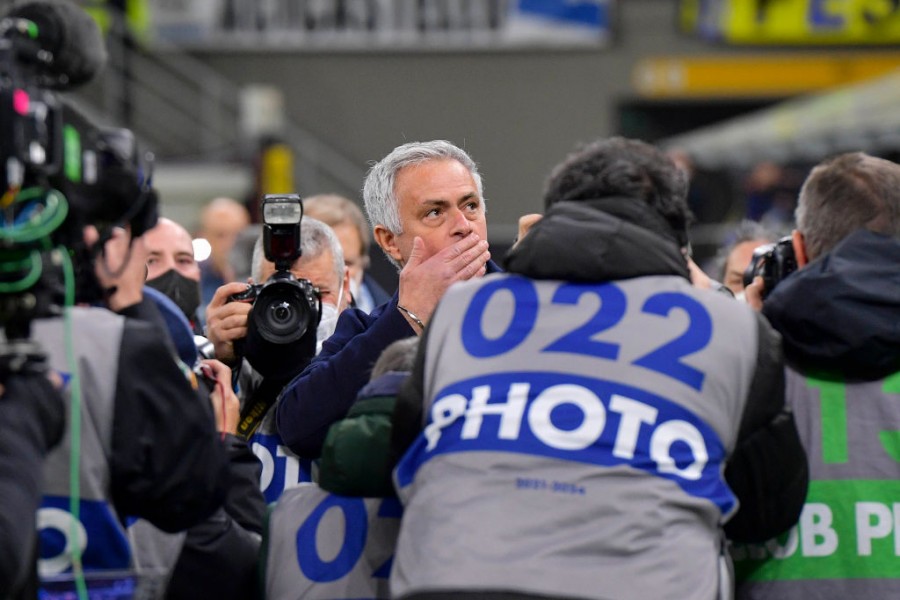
<point>58,171</point>
<point>285,309</point>
<point>773,262</point>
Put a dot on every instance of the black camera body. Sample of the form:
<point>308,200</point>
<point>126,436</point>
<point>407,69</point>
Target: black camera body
<point>286,310</point>
<point>773,262</point>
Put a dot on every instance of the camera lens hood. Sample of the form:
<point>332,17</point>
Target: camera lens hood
<point>281,313</point>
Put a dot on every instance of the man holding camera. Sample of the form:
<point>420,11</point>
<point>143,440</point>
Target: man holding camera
<point>133,394</point>
<point>217,557</point>
<point>585,426</point>
<point>319,263</point>
<point>838,315</point>
<point>426,204</point>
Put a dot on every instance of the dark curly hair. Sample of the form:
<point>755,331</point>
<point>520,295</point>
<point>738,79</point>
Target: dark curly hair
<point>621,167</point>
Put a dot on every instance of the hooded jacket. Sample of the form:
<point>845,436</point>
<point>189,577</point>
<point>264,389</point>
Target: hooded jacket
<point>840,312</point>
<point>728,384</point>
<point>840,319</point>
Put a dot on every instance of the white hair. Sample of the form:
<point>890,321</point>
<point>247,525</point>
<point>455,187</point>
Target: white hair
<point>382,204</point>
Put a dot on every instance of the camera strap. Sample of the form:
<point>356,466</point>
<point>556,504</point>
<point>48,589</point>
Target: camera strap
<point>258,406</point>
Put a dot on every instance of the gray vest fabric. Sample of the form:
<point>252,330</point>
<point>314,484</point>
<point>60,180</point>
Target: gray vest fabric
<point>156,553</point>
<point>96,338</point>
<point>575,440</point>
<point>140,558</point>
<point>321,546</point>
<point>847,542</point>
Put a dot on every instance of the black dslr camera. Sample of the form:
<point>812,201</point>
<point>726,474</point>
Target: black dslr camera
<point>285,309</point>
<point>773,262</point>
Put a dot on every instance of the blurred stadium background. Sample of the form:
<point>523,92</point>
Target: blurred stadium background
<point>246,97</point>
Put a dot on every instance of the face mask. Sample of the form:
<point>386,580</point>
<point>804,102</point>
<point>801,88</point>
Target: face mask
<point>184,292</point>
<point>355,286</point>
<point>329,320</point>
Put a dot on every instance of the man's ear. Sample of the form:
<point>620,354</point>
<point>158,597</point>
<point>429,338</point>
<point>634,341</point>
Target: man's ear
<point>799,244</point>
<point>387,240</point>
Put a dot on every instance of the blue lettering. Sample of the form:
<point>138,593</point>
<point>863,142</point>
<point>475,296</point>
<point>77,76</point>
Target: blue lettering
<point>523,316</point>
<point>356,529</point>
<point>98,535</point>
<point>611,311</point>
<point>820,18</point>
<point>666,359</point>
<point>578,419</point>
<point>389,508</point>
<point>527,483</point>
<point>281,468</point>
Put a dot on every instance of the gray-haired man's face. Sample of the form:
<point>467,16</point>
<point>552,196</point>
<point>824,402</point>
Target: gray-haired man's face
<point>439,202</point>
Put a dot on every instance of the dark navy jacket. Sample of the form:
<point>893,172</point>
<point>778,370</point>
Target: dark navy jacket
<point>839,312</point>
<point>325,390</point>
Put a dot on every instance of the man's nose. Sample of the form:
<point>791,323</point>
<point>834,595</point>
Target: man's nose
<point>462,226</point>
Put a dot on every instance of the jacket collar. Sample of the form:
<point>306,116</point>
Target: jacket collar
<point>582,241</point>
<point>840,312</point>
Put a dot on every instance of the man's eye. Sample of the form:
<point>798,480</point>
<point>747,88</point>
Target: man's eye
<point>433,212</point>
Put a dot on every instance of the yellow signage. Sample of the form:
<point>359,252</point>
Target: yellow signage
<point>757,75</point>
<point>794,22</point>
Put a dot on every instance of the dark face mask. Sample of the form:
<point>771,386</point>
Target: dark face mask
<point>184,292</point>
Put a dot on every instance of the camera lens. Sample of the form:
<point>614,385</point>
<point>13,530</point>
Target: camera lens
<point>282,313</point>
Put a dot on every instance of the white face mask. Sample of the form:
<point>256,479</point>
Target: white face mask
<point>329,320</point>
<point>355,285</point>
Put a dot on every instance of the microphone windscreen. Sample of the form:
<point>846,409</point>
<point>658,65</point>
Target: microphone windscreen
<point>71,36</point>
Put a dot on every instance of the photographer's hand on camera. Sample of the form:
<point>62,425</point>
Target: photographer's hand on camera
<point>423,282</point>
<point>227,321</point>
<point>754,293</point>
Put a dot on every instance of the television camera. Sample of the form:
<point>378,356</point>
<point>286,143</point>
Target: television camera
<point>59,172</point>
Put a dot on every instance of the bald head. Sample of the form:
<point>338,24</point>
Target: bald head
<point>169,247</point>
<point>223,208</point>
<point>220,222</point>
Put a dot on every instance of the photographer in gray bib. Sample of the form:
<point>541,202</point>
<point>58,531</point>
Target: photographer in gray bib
<point>589,424</point>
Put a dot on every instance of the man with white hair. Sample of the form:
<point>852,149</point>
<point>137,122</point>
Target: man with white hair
<point>427,208</point>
